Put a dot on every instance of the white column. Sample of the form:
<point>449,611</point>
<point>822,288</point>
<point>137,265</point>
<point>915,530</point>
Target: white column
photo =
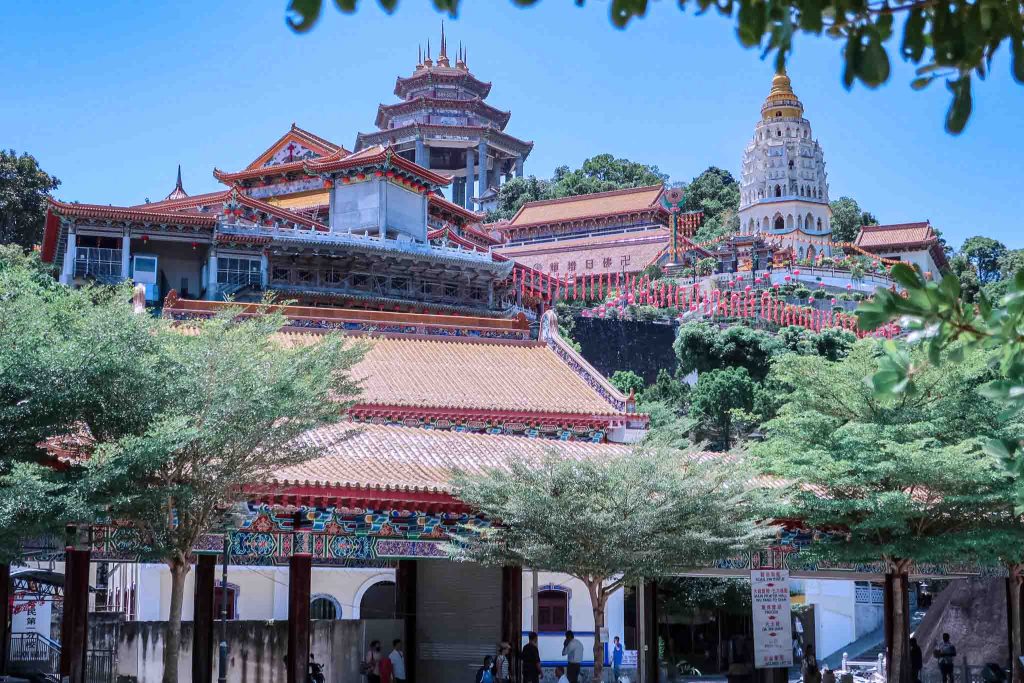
<point>211,272</point>
<point>126,256</point>
<point>264,270</point>
<point>67,273</point>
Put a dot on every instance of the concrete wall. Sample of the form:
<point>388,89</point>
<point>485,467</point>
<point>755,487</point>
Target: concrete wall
<point>643,347</point>
<point>256,649</point>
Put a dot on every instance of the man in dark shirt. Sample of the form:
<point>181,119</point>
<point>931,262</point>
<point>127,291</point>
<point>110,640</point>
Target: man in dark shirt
<point>531,660</point>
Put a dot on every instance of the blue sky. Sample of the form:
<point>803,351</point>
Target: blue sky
<point>111,96</point>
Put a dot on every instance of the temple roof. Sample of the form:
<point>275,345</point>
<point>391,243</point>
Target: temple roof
<point>902,236</point>
<point>385,112</point>
<point>301,138</point>
<point>377,155</point>
<point>369,456</point>
<point>474,375</point>
<point>131,214</point>
<point>188,203</point>
<point>578,207</point>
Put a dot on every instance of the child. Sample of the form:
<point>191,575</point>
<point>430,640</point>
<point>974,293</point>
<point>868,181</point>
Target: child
<point>485,674</point>
<point>560,675</point>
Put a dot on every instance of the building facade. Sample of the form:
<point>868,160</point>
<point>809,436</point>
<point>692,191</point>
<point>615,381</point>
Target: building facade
<point>916,244</point>
<point>783,183</point>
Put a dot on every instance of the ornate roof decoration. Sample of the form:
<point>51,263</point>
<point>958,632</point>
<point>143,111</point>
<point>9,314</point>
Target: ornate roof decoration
<point>376,157</point>
<point>178,192</point>
<point>781,100</point>
<point>901,237</point>
<point>131,214</point>
<point>597,205</point>
<point>295,145</point>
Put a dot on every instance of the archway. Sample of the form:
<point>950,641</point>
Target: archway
<point>778,191</point>
<point>378,601</point>
<point>324,606</point>
<point>780,223</point>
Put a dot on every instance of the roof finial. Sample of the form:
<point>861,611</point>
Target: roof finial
<point>460,62</point>
<point>442,58</point>
<point>178,185</point>
<point>428,61</point>
<point>178,192</point>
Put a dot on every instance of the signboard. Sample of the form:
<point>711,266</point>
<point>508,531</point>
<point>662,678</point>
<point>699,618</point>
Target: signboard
<point>629,659</point>
<point>31,613</point>
<point>773,626</point>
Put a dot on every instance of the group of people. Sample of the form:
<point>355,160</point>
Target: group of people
<point>380,669</point>
<point>945,656</point>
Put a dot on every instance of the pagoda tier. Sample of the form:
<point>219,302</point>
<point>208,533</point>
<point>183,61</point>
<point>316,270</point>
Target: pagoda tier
<point>443,123</point>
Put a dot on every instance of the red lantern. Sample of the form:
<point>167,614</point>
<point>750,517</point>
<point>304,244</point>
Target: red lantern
<point>346,180</point>
<point>378,174</point>
<point>328,184</point>
<point>145,238</point>
<point>796,272</point>
<point>195,245</point>
<point>390,174</point>
<point>849,286</point>
<point>360,176</point>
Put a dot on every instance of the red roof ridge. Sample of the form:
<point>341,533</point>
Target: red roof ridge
<point>375,154</point>
<point>897,226</point>
<point>183,203</point>
<point>130,213</point>
<point>587,197</point>
<point>301,133</point>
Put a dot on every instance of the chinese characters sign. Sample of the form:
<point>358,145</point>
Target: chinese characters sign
<point>773,628</point>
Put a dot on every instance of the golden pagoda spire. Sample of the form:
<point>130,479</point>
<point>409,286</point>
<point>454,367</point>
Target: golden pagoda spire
<point>442,59</point>
<point>428,62</point>
<point>782,102</point>
<point>460,61</point>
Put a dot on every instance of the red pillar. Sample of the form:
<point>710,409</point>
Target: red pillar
<point>300,569</point>
<point>5,614</point>
<point>405,608</point>
<point>74,628</point>
<point>512,614</point>
<point>203,620</point>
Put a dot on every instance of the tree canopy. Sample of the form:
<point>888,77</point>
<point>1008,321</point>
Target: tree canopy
<point>949,42</point>
<point>847,217</point>
<point>717,193</point>
<point>984,253</point>
<point>24,188</point>
<point>704,346</point>
<point>609,521</point>
<point>599,173</point>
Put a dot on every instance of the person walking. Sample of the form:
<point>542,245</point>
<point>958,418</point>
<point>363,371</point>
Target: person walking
<point>485,674</point>
<point>502,665</point>
<point>397,659</point>
<point>371,663</point>
<point>617,653</point>
<point>916,661</point>
<point>531,660</point>
<point>572,650</point>
<point>946,654</point>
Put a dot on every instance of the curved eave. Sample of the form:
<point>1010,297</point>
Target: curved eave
<point>385,112</point>
<point>364,140</point>
<point>403,84</point>
<point>126,214</point>
<point>381,160</point>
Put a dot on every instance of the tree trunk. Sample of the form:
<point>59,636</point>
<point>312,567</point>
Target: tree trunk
<point>1014,595</point>
<point>172,644</point>
<point>897,622</point>
<point>598,600</point>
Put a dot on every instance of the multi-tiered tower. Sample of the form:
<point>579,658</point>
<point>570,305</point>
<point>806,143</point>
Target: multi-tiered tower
<point>442,123</point>
<point>784,187</point>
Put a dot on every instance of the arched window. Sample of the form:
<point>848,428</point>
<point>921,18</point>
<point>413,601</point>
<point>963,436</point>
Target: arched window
<point>789,221</point>
<point>799,221</point>
<point>750,226</point>
<point>378,602</point>
<point>811,253</point>
<point>778,191</point>
<point>809,222</point>
<point>324,607</point>
<point>553,610</point>
<point>780,223</point>
<point>819,224</point>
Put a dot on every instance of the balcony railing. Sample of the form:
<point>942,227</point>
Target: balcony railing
<point>99,263</point>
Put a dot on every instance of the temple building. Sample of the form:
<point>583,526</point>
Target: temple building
<point>620,231</point>
<point>443,123</point>
<point>783,184</point>
<point>914,243</point>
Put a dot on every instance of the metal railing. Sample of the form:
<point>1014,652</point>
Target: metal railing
<point>35,648</point>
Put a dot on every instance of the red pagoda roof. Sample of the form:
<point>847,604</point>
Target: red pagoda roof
<point>375,156</point>
<point>441,74</point>
<point>186,203</point>
<point>901,236</point>
<point>385,112</point>
<point>131,214</point>
<point>592,255</point>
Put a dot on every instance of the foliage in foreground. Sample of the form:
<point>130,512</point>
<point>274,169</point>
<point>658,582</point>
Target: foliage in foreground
<point>610,522</point>
<point>946,41</point>
<point>24,188</point>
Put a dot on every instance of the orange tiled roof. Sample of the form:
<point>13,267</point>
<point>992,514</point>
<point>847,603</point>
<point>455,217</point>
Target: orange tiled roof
<point>124,213</point>
<point>406,458</point>
<point>895,235</point>
<point>186,203</point>
<point>472,375</point>
<point>586,206</point>
<point>640,248</point>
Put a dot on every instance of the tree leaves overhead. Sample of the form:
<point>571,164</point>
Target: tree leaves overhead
<point>24,188</point>
<point>951,41</point>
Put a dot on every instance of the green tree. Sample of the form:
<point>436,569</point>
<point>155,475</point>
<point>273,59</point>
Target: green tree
<point>704,346</point>
<point>904,481</point>
<point>668,390</point>
<point>968,276</point>
<point>627,381</point>
<point>722,399</point>
<point>24,188</point>
<point>847,217</point>
<point>948,42</point>
<point>516,192</point>
<point>644,514</point>
<point>1011,262</point>
<point>706,266</point>
<point>602,173</point>
<point>73,368</point>
<point>717,194</point>
<point>984,254</point>
<point>231,408</point>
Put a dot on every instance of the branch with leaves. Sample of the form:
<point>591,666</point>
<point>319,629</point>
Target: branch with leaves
<point>951,41</point>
